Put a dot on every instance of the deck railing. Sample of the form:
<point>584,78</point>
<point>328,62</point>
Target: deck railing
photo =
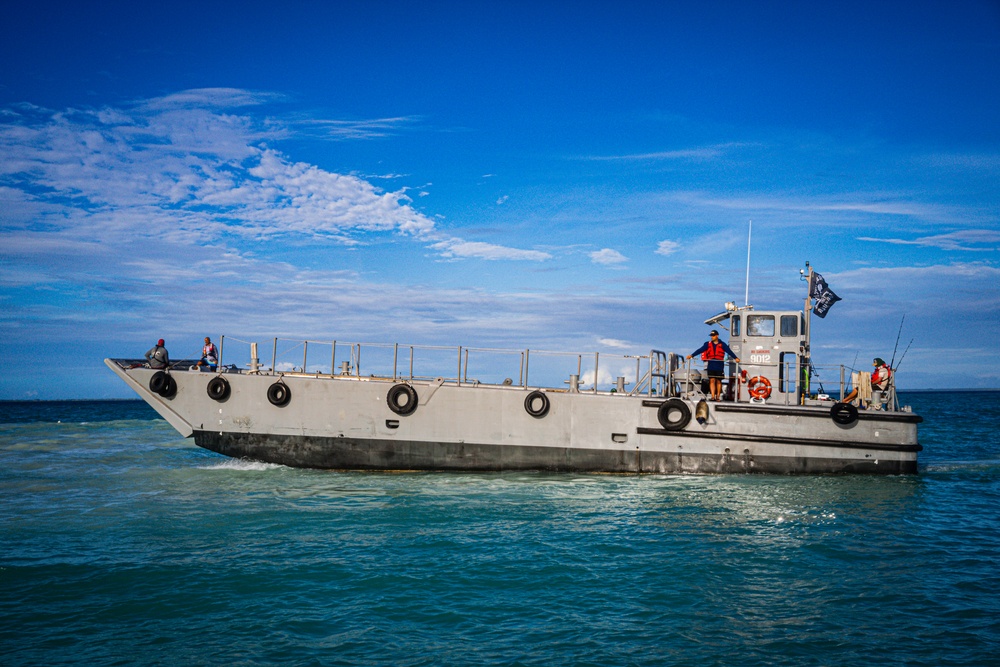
<point>614,373</point>
<point>654,374</point>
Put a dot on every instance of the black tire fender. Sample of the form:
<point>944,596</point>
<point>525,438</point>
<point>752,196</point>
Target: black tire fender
<point>279,394</point>
<point>536,404</point>
<point>157,382</point>
<point>169,387</point>
<point>673,414</point>
<point>402,399</point>
<point>844,414</point>
<point>218,388</point>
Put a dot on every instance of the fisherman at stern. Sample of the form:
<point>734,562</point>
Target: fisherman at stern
<point>715,352</point>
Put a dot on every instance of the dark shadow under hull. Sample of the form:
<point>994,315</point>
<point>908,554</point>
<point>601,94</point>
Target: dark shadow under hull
<point>343,453</point>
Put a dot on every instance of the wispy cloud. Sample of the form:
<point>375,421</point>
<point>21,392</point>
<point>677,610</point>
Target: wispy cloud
<point>374,128</point>
<point>701,153</point>
<point>667,247</point>
<point>976,240</point>
<point>461,249</point>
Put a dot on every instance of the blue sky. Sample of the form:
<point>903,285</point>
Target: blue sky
<point>542,175</point>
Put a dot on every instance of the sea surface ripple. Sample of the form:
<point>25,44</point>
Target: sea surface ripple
<point>123,544</point>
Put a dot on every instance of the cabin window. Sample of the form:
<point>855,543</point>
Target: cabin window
<point>789,326</point>
<point>736,326</point>
<point>760,325</point>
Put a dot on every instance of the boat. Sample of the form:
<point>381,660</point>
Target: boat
<point>390,407</point>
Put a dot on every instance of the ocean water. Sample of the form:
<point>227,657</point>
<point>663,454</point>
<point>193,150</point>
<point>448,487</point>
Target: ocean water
<point>123,544</point>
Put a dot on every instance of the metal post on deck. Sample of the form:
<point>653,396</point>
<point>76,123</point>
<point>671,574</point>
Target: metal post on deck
<point>305,351</point>
<point>597,356</point>
<point>222,339</point>
<point>274,356</point>
<point>333,358</point>
<point>395,355</point>
<point>458,378</point>
<point>527,353</point>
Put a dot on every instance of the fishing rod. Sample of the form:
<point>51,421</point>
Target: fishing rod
<point>896,346</point>
<point>904,354</point>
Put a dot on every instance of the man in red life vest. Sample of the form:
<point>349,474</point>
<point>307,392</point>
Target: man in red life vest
<point>209,357</point>
<point>715,352</point>
<point>880,379</point>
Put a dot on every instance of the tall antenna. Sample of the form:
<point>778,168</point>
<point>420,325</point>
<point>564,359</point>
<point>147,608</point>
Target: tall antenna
<point>746,296</point>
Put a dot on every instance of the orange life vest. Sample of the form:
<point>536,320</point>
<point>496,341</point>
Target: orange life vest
<point>714,352</point>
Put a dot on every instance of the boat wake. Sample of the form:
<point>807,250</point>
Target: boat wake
<point>242,464</point>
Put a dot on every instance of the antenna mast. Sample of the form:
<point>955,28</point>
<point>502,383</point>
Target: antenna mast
<point>746,296</point>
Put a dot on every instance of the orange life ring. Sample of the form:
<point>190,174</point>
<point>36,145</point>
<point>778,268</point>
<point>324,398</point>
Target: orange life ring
<point>759,387</point>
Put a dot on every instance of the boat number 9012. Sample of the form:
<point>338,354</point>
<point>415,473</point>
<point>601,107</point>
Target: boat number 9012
<point>760,357</point>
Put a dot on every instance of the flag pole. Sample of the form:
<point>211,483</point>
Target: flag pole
<point>746,295</point>
<point>806,354</point>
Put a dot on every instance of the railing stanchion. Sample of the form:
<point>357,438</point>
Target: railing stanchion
<point>597,357</point>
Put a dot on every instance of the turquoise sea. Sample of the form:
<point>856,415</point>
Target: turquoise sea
<point>123,544</point>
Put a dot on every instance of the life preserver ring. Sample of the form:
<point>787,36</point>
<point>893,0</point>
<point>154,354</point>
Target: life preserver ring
<point>844,414</point>
<point>759,387</point>
<point>218,388</point>
<point>402,399</point>
<point>279,394</point>
<point>536,404</point>
<point>673,414</point>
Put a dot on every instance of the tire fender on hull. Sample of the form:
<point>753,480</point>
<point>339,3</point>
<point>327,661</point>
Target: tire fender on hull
<point>673,414</point>
<point>844,414</point>
<point>402,399</point>
<point>536,404</point>
<point>218,388</point>
<point>161,383</point>
<point>279,394</point>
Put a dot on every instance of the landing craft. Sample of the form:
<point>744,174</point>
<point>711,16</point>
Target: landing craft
<point>393,413</point>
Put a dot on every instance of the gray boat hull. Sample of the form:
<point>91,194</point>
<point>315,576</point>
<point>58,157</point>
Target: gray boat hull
<point>348,423</point>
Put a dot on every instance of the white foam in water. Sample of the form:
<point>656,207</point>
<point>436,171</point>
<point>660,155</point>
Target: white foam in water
<point>242,464</point>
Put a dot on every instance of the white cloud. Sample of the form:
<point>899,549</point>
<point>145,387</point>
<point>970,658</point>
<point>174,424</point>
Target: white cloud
<point>615,343</point>
<point>703,153</point>
<point>607,257</point>
<point>179,170</point>
<point>461,249</point>
<point>667,247</point>
<point>969,239</point>
<point>374,128</point>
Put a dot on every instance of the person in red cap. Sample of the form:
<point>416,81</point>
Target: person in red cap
<point>157,356</point>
